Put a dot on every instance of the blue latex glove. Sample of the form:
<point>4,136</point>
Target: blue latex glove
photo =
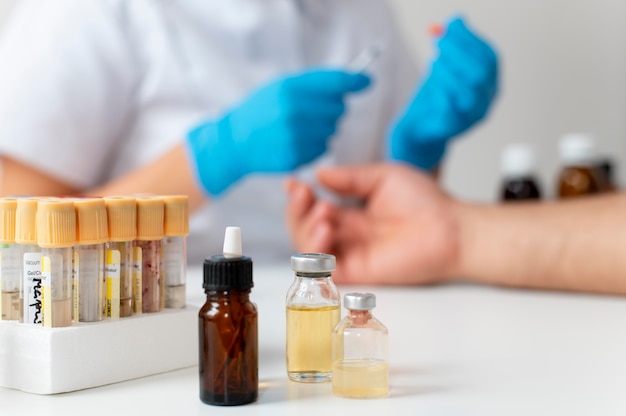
<point>278,128</point>
<point>456,94</point>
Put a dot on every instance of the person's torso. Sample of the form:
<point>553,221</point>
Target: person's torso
<point>201,58</point>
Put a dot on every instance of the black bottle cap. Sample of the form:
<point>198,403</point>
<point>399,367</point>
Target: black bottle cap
<point>606,165</point>
<point>228,273</point>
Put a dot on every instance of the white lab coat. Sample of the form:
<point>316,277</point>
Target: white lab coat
<point>92,89</point>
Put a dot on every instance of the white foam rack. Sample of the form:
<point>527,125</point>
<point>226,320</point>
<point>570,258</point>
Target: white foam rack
<point>56,360</point>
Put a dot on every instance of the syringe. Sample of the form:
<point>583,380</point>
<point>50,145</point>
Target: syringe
<point>366,58</point>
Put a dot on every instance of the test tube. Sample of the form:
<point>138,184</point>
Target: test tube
<point>89,280</point>
<point>150,216</point>
<point>9,262</point>
<point>174,250</point>
<point>56,235</point>
<point>122,220</point>
<point>30,261</point>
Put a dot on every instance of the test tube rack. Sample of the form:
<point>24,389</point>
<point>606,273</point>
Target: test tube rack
<point>56,360</point>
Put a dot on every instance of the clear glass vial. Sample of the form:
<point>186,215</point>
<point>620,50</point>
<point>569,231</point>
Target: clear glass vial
<point>313,304</point>
<point>360,350</point>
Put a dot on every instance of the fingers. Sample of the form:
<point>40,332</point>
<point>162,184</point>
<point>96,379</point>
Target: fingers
<point>463,97</point>
<point>320,238</point>
<point>458,30</point>
<point>316,108</point>
<point>331,82</point>
<point>310,140</point>
<point>467,70</point>
<point>300,202</point>
<point>463,72</point>
<point>309,220</point>
<point>467,56</point>
<point>359,181</point>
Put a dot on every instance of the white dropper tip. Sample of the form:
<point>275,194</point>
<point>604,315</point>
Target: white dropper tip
<point>232,242</point>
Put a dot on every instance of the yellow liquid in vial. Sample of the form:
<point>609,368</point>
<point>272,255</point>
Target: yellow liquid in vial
<point>361,378</point>
<point>309,354</point>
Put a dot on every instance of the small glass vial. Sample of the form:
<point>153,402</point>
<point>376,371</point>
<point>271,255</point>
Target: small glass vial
<point>228,328</point>
<point>174,250</point>
<point>150,218</point>
<point>313,304</point>
<point>580,175</point>
<point>518,169</point>
<point>360,351</point>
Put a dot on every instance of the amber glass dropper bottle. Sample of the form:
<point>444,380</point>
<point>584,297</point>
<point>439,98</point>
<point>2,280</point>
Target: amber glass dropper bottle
<point>228,328</point>
<point>580,175</point>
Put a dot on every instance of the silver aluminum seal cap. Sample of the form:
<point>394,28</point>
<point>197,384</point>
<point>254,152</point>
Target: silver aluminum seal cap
<point>359,301</point>
<point>313,263</point>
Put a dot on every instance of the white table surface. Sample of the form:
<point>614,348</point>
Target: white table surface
<point>455,349</point>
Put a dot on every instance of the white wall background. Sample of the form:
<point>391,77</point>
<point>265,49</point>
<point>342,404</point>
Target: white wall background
<point>5,6</point>
<point>563,69</point>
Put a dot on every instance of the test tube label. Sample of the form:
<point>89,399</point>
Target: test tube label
<point>137,279</point>
<point>112,274</point>
<point>46,283</point>
<point>32,288</point>
<point>75,286</point>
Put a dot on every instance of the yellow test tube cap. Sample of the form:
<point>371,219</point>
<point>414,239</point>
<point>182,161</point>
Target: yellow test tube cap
<point>26,221</point>
<point>122,217</point>
<point>8,208</point>
<point>56,223</point>
<point>150,218</point>
<point>91,221</point>
<point>176,215</point>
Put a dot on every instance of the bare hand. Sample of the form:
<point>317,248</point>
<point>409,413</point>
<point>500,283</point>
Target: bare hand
<point>406,233</point>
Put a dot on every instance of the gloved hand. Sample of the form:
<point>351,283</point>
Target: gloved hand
<point>456,94</point>
<point>278,128</point>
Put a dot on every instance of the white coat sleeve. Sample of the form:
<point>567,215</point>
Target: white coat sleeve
<point>67,75</point>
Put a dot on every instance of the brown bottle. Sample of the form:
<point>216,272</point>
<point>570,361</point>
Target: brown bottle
<point>518,169</point>
<point>605,164</point>
<point>228,329</point>
<point>580,176</point>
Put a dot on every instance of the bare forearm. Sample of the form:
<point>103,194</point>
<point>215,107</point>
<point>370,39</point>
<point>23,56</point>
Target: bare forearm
<point>574,245</point>
<point>170,174</point>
